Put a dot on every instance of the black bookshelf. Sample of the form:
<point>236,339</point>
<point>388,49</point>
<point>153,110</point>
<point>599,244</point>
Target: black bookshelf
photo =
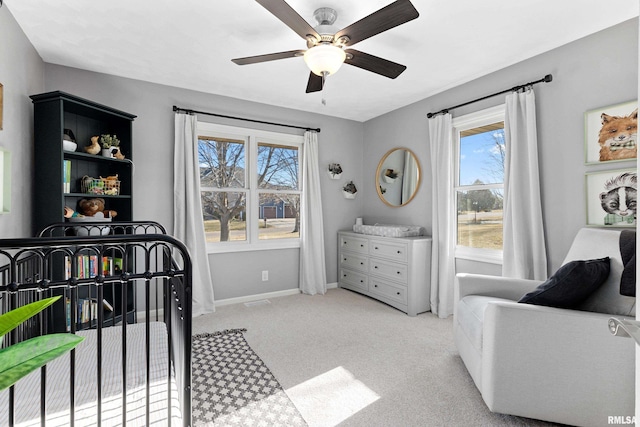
<point>56,111</point>
<point>53,113</point>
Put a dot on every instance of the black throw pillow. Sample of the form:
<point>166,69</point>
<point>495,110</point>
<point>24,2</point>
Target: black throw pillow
<point>627,245</point>
<point>571,284</point>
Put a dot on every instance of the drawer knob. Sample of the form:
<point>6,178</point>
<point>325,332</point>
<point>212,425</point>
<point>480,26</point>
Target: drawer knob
<point>397,272</point>
<point>362,246</point>
<point>398,251</point>
<point>361,281</point>
<point>344,275</point>
<point>362,263</point>
<point>375,286</point>
<point>375,266</point>
<point>376,248</point>
<point>398,293</point>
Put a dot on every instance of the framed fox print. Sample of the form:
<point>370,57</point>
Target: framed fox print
<point>610,133</point>
<point>612,198</point>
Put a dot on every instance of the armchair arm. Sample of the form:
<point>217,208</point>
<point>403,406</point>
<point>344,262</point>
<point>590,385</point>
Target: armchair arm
<point>495,286</point>
<point>555,364</point>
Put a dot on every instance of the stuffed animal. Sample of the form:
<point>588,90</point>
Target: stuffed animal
<point>117,153</point>
<point>94,147</point>
<point>70,213</point>
<point>95,208</point>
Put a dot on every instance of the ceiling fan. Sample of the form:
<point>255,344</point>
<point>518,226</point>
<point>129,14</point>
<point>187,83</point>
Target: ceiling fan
<point>326,50</point>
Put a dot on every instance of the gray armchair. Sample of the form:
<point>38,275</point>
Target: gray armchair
<point>549,363</point>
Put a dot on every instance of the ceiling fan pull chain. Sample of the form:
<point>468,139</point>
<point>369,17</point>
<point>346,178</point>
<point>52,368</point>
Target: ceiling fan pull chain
<point>324,75</point>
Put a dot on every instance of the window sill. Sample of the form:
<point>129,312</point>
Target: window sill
<point>490,256</point>
<point>220,248</point>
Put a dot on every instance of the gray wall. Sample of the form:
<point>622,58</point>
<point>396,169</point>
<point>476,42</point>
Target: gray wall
<point>596,71</point>
<point>234,274</point>
<point>21,74</point>
<point>593,72</point>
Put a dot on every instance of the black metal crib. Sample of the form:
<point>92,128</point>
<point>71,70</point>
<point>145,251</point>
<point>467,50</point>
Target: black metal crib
<point>125,287</point>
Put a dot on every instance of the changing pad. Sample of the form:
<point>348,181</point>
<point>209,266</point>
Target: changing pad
<point>390,230</point>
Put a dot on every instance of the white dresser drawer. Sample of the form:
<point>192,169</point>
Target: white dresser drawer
<point>354,279</point>
<point>394,251</point>
<point>356,262</point>
<point>388,290</point>
<point>392,270</point>
<point>354,244</point>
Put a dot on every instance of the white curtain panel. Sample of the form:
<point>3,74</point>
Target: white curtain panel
<point>442,252</point>
<point>524,251</point>
<point>188,225</point>
<point>313,276</point>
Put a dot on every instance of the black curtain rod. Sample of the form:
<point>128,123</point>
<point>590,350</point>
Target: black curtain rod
<point>545,79</point>
<point>241,118</point>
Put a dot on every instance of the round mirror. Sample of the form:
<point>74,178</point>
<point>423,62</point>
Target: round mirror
<point>398,177</point>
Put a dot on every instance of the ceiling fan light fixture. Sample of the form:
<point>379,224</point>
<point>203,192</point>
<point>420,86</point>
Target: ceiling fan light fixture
<point>324,59</point>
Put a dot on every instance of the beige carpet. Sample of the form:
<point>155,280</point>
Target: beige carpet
<point>345,359</point>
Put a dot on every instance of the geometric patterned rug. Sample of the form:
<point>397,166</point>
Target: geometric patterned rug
<point>231,385</point>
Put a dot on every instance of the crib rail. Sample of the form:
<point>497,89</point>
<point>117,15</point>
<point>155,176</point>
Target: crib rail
<point>99,228</point>
<point>157,264</point>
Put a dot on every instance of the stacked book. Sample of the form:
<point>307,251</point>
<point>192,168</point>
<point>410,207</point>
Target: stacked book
<point>88,266</point>
<point>86,310</point>
<point>66,176</point>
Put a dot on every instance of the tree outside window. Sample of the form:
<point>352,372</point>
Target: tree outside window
<point>222,170</point>
<point>278,168</point>
<point>479,184</point>
<point>250,190</point>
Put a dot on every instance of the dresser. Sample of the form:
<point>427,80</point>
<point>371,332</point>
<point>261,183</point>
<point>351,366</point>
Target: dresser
<point>394,270</point>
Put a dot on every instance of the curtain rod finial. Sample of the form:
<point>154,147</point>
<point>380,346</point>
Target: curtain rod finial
<point>548,78</point>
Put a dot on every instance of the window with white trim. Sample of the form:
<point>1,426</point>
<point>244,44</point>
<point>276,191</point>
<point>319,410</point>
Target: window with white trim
<point>479,184</point>
<point>250,187</point>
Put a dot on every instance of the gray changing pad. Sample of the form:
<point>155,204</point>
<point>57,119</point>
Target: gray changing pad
<point>390,230</point>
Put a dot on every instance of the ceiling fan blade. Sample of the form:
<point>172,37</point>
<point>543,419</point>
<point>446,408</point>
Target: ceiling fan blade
<point>281,10</point>
<point>268,57</point>
<point>315,83</point>
<point>397,13</point>
<point>374,64</point>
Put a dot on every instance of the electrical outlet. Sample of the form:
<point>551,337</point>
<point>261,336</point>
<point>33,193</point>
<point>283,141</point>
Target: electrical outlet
<point>265,275</point>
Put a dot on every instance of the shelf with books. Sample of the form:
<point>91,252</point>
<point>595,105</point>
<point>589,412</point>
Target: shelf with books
<point>59,175</point>
<point>88,266</point>
<point>87,312</point>
<point>84,266</point>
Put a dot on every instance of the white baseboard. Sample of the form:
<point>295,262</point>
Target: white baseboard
<point>239,300</point>
<point>258,297</point>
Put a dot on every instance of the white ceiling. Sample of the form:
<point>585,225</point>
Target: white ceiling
<point>190,44</point>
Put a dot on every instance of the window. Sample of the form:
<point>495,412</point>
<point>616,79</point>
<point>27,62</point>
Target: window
<point>479,184</point>
<point>250,187</point>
